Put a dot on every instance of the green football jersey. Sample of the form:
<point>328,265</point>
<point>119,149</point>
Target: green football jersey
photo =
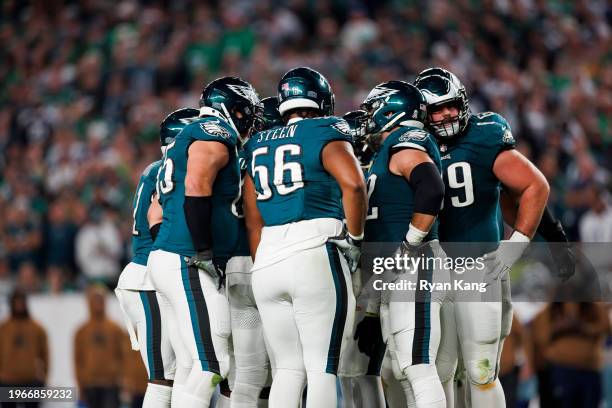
<point>471,201</point>
<point>141,237</point>
<point>391,197</point>
<point>285,164</point>
<point>174,234</point>
<point>242,247</point>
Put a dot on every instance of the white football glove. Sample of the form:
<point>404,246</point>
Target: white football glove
<point>507,253</point>
<point>350,246</point>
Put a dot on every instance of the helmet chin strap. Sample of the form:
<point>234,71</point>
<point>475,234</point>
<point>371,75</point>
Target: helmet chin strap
<point>392,122</point>
<point>229,118</point>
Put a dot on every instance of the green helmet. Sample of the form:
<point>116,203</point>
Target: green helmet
<point>358,121</point>
<point>393,103</point>
<point>172,125</point>
<point>442,91</point>
<point>305,88</point>
<point>234,100</point>
<point>271,116</point>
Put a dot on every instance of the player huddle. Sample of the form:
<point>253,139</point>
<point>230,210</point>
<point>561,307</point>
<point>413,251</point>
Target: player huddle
<point>247,242</point>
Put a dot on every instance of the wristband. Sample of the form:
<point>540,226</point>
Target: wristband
<point>518,236</point>
<point>415,235</point>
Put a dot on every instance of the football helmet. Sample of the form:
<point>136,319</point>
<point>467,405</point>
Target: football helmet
<point>233,99</point>
<point>393,103</point>
<point>442,88</point>
<point>443,73</point>
<point>358,121</point>
<point>271,118</point>
<point>172,125</point>
<point>305,88</point>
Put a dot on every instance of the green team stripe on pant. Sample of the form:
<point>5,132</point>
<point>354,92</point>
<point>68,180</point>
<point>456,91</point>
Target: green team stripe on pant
<point>335,342</point>
<point>200,322</point>
<point>154,334</point>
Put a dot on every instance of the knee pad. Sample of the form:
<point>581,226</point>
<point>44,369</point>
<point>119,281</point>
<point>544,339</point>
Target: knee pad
<point>481,371</point>
<point>255,376</point>
<point>421,372</point>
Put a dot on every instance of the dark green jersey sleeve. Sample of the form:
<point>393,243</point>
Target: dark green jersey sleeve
<point>414,138</point>
<point>498,132</point>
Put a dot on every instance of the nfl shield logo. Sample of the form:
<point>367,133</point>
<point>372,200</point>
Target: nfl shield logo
<point>442,148</point>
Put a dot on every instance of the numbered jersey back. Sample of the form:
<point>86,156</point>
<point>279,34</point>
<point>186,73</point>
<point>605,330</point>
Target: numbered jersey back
<point>141,238</point>
<point>285,164</point>
<point>174,235</point>
<point>471,203</point>
<point>391,197</point>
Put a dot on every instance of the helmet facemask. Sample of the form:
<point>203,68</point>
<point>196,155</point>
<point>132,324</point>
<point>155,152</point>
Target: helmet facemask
<point>449,126</point>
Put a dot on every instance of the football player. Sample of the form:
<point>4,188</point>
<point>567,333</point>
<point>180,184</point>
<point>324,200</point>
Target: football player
<point>198,184</point>
<point>478,158</point>
<point>138,300</point>
<point>405,195</point>
<point>359,372</point>
<point>252,365</point>
<point>303,179</point>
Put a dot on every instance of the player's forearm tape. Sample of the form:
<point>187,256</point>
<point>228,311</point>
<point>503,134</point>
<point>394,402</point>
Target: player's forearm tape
<point>198,214</point>
<point>154,230</point>
<point>428,188</point>
<point>551,229</point>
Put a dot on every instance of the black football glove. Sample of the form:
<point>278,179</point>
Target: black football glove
<point>368,334</point>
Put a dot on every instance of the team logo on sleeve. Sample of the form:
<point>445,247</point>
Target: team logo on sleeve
<point>413,135</point>
<point>508,138</point>
<point>215,129</point>
<point>343,127</point>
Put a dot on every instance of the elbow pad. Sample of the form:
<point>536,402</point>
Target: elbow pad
<point>428,187</point>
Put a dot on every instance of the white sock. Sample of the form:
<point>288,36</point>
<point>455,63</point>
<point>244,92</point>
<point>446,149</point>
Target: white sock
<point>488,396</point>
<point>199,389</point>
<point>370,392</point>
<point>157,396</point>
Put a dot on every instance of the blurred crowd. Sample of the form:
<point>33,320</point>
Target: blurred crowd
<point>85,84</point>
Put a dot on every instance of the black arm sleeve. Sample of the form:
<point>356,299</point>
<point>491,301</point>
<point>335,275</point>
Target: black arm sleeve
<point>154,230</point>
<point>428,188</point>
<point>551,229</point>
<point>198,214</point>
